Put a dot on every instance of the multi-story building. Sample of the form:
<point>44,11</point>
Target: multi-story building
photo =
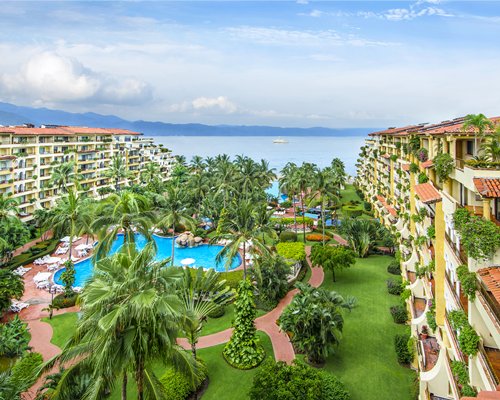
<point>449,260</point>
<point>29,154</point>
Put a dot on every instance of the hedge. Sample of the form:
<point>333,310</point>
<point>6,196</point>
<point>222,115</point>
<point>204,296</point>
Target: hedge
<point>61,301</point>
<point>29,256</point>
<point>404,349</point>
<point>177,386</point>
<point>394,268</point>
<point>292,251</point>
<point>399,314</point>
<point>288,236</point>
<point>317,237</point>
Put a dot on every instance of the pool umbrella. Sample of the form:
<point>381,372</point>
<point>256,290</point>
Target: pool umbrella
<point>187,261</point>
<point>52,260</point>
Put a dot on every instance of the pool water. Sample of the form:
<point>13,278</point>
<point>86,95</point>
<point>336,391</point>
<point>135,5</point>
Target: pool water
<point>204,256</point>
<point>274,190</point>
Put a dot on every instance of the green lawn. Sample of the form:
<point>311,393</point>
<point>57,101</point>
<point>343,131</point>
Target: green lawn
<point>214,325</point>
<point>227,383</point>
<point>366,360</point>
<point>63,326</point>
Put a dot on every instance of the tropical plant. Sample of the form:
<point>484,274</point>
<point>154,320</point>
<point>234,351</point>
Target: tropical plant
<point>130,319</point>
<point>64,174</point>
<point>244,351</point>
<point>361,234</point>
<point>304,180</point>
<point>491,146</point>
<point>118,170</point>
<point>151,173</point>
<point>332,258</point>
<point>14,338</point>
<point>20,377</point>
<point>238,227</point>
<point>125,212</point>
<point>8,207</point>
<point>11,287</point>
<point>75,389</point>
<point>288,184</point>
<point>292,251</point>
<point>479,123</point>
<point>271,274</point>
<point>174,212</point>
<point>68,277</point>
<point>315,321</point>
<point>468,281</point>
<point>201,294</point>
<point>404,348</point>
<point>444,165</point>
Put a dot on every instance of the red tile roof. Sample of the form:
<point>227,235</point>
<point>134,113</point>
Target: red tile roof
<point>454,126</point>
<point>380,198</point>
<point>404,130</point>
<point>386,155</point>
<point>488,187</point>
<point>485,395</point>
<point>491,278</point>
<point>427,193</point>
<point>405,167</point>
<point>427,164</point>
<point>7,157</point>
<point>65,131</point>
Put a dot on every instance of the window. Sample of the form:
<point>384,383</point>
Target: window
<point>497,209</point>
<point>470,147</point>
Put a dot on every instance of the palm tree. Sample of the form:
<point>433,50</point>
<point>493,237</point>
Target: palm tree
<point>239,227</point>
<point>303,178</point>
<point>288,185</point>
<point>71,216</point>
<point>201,294</point>
<point>151,173</point>
<point>124,211</point>
<point>491,146</point>
<point>479,123</point>
<point>198,188</point>
<point>8,207</point>
<point>197,164</point>
<point>174,212</point>
<point>63,174</point>
<point>130,320</point>
<point>118,170</point>
<point>361,234</point>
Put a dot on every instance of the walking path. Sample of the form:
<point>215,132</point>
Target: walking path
<point>283,349</point>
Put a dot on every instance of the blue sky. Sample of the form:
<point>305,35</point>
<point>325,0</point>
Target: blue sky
<point>304,63</point>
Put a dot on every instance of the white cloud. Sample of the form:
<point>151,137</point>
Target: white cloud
<point>200,104</point>
<point>399,14</point>
<point>49,78</point>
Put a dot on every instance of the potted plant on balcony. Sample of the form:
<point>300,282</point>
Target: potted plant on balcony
<point>425,332</point>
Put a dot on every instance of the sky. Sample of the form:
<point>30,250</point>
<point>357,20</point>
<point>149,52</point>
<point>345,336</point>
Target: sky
<point>280,63</point>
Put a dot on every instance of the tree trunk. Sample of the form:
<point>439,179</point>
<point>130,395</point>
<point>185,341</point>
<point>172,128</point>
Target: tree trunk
<point>333,274</point>
<point>294,214</point>
<point>323,220</point>
<point>244,261</point>
<point>124,386</point>
<point>173,245</point>
<point>139,377</point>
<point>303,217</point>
<point>193,349</point>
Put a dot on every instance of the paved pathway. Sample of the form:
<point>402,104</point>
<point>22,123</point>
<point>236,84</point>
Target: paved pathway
<point>283,349</point>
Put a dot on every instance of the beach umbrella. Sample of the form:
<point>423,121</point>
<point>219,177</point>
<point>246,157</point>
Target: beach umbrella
<point>42,276</point>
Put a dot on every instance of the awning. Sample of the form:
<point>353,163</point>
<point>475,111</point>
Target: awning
<point>427,193</point>
<point>488,187</point>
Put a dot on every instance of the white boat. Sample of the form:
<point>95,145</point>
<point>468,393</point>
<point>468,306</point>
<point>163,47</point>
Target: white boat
<point>280,140</point>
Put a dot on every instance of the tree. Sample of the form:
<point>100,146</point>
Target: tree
<point>315,319</point>
<point>361,234</point>
<point>288,185</point>
<point>239,227</point>
<point>68,278</point>
<point>64,174</point>
<point>201,293</point>
<point>8,207</point>
<point>130,320</point>
<point>20,377</point>
<point>271,273</point>
<point>151,173</point>
<point>479,123</point>
<point>491,146</point>
<point>304,177</point>
<point>332,258</point>
<point>74,390</point>
<point>243,350</point>
<point>11,287</point>
<point>127,212</point>
<point>118,170</point>
<point>174,212</point>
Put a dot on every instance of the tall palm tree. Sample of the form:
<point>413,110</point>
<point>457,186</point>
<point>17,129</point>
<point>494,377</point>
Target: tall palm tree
<point>304,179</point>
<point>8,207</point>
<point>131,317</point>
<point>491,146</point>
<point>124,211</point>
<point>71,216</point>
<point>288,185</point>
<point>118,170</point>
<point>201,294</point>
<point>64,174</point>
<point>197,164</point>
<point>480,124</point>
<point>198,188</point>
<point>174,212</point>
<point>239,227</point>
<point>150,173</point>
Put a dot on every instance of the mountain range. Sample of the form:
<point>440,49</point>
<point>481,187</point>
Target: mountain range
<point>11,114</point>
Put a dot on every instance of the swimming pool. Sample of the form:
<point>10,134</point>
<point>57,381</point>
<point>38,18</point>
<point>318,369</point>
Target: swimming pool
<point>204,255</point>
<point>274,190</point>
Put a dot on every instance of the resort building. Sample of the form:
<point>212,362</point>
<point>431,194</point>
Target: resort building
<point>29,154</point>
<point>419,180</point>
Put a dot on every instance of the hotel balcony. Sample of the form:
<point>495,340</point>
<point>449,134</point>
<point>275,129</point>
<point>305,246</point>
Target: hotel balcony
<point>428,352</point>
<point>418,307</point>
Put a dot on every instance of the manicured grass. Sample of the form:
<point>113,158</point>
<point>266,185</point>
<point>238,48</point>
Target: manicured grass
<point>227,383</point>
<point>214,325</point>
<point>63,326</point>
<point>366,360</point>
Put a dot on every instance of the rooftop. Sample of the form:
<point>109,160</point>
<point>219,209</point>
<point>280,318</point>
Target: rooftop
<point>64,130</point>
<point>427,193</point>
<point>491,278</point>
<point>488,187</point>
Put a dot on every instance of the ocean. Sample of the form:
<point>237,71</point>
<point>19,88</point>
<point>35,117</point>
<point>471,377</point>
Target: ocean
<point>316,149</point>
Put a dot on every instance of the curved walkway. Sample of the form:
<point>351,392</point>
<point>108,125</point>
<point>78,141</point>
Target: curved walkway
<point>283,349</point>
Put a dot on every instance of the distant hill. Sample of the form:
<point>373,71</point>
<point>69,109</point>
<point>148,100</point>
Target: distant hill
<point>11,114</point>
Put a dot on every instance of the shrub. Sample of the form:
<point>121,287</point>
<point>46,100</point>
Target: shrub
<point>399,314</point>
<point>422,154</point>
<point>177,385</point>
<point>14,338</point>
<point>431,232</point>
<point>414,168</point>
<point>403,352</point>
<point>232,278</point>
<point>394,287</point>
<point>63,301</point>
<point>460,372</point>
<point>298,381</point>
<point>468,340</point>
<point>288,236</point>
<point>431,320</point>
<point>444,165</point>
<point>23,372</point>
<point>422,178</point>
<point>11,287</point>
<point>367,206</point>
<point>317,237</point>
<point>394,268</point>
<point>270,274</point>
<point>292,251</point>
<point>352,211</point>
<point>244,351</point>
<point>286,204</point>
<point>468,281</point>
<point>218,312</point>
<point>468,391</point>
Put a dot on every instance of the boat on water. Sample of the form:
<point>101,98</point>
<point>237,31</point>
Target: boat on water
<point>280,141</point>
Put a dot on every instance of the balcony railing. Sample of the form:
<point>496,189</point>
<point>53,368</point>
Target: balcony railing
<point>490,359</point>
<point>460,253</point>
<point>491,302</point>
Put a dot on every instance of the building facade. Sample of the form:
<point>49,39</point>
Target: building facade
<point>420,180</point>
<point>29,154</point>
